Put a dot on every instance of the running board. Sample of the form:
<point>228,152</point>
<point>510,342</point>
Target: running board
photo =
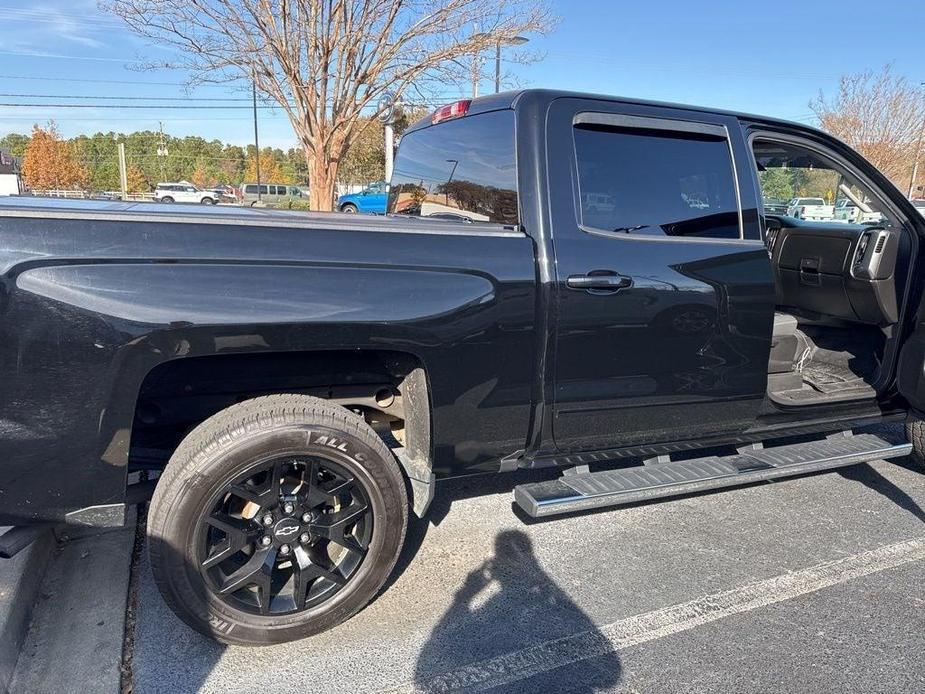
<point>582,490</point>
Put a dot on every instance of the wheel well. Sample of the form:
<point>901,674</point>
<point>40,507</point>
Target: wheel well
<point>388,389</point>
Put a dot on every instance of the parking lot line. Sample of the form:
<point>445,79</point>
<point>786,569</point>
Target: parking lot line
<point>625,633</point>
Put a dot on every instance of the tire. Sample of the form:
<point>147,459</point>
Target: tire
<point>167,199</point>
<point>349,208</point>
<point>915,434</point>
<point>213,471</point>
<point>208,201</point>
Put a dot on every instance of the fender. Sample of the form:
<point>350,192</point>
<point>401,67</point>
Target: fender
<point>80,334</point>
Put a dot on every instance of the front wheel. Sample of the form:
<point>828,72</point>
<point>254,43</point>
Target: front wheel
<point>276,519</point>
<point>208,201</point>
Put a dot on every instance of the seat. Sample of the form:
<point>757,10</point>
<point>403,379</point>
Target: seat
<point>784,344</point>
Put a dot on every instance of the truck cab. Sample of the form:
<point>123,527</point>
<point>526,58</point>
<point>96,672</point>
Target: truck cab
<point>678,307</point>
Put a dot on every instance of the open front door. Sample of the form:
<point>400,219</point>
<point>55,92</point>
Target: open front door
<point>910,376</point>
<point>665,295</point>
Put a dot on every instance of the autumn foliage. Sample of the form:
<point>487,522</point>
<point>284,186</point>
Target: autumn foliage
<point>50,163</point>
<point>270,170</point>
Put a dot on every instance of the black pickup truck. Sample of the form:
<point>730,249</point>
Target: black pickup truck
<point>563,280</point>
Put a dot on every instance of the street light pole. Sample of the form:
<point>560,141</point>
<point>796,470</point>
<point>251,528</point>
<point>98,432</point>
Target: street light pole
<point>497,67</point>
<point>513,41</point>
<point>918,148</point>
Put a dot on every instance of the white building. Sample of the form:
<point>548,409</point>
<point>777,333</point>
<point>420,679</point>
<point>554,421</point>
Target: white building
<point>10,180</point>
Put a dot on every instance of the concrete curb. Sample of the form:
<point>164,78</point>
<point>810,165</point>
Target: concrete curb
<point>20,581</point>
<point>76,636</point>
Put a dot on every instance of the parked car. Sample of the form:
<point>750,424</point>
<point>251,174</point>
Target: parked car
<point>813,209</point>
<point>775,206</point>
<point>184,191</point>
<point>847,211</point>
<point>919,205</point>
<point>226,194</point>
<point>370,200</point>
<point>296,385</point>
<point>271,194</point>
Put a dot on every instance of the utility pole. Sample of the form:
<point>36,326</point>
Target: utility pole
<point>476,74</point>
<point>162,150</point>
<point>918,148</point>
<point>123,176</point>
<point>256,140</point>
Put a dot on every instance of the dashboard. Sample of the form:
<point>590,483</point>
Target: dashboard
<point>834,270</point>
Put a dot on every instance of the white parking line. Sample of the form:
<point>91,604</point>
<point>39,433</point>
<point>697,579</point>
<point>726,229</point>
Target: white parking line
<point>544,657</point>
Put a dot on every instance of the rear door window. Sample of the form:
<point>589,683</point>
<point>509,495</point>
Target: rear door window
<point>656,181</point>
<point>459,169</point>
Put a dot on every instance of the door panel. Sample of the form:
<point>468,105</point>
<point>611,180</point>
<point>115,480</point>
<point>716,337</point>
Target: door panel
<point>662,328</point>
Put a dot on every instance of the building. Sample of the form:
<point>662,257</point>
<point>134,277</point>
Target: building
<point>10,169</point>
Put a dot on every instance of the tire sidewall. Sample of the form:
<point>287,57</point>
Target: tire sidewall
<point>175,551</point>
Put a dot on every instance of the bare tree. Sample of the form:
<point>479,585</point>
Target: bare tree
<point>327,63</point>
<point>879,114</point>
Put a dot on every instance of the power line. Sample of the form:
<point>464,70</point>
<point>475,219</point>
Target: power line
<point>121,119</point>
<point>59,56</point>
<point>124,98</point>
<point>168,106</point>
<point>93,81</point>
<point>132,106</point>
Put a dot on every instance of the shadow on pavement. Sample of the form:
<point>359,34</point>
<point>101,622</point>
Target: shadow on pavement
<point>871,478</point>
<point>183,657</point>
<point>507,604</point>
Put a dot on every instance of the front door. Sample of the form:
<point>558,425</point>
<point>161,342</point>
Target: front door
<point>664,290</point>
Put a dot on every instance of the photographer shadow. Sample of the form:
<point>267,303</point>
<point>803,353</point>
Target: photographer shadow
<point>496,634</point>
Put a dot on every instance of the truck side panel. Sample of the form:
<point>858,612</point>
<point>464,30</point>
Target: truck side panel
<point>89,307</point>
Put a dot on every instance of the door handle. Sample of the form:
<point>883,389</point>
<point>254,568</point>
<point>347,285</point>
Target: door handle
<point>599,280</point>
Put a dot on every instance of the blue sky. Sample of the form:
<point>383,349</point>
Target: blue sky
<point>736,55</point>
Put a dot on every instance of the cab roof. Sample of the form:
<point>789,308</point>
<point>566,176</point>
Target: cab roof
<point>512,99</point>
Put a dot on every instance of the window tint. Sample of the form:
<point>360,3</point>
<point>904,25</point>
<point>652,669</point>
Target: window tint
<point>818,187</point>
<point>250,189</point>
<point>462,168</point>
<point>656,182</point>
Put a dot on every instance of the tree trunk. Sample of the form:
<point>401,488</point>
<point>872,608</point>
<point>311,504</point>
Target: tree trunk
<point>322,174</point>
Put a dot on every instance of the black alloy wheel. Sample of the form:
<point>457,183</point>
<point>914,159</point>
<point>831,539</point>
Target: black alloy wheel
<point>275,519</point>
<point>286,536</point>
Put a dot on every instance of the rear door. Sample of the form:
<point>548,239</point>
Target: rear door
<point>664,290</point>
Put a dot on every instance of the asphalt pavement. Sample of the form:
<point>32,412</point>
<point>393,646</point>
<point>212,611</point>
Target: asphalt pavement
<point>809,584</point>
